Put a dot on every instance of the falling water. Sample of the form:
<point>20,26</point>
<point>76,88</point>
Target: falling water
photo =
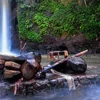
<point>5,33</point>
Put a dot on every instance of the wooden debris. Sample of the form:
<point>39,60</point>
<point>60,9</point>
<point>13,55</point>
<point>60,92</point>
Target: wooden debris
<point>2,61</point>
<point>22,47</point>
<point>12,65</point>
<point>2,64</point>
<point>10,73</point>
<point>10,58</point>
<point>28,71</point>
<point>57,54</point>
<point>63,60</point>
<point>30,68</point>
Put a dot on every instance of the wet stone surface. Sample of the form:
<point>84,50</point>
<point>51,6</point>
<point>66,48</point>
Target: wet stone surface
<point>39,85</point>
<point>54,81</point>
<point>91,77</point>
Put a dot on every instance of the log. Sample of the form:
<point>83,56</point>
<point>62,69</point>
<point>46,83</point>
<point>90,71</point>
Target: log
<point>29,69</point>
<point>10,73</point>
<point>9,57</point>
<point>12,65</point>
<point>19,60</point>
<point>2,64</point>
<point>63,60</point>
<point>2,61</point>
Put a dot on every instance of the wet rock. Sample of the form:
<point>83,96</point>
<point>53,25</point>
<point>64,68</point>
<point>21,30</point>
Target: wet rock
<point>72,65</point>
<point>77,65</point>
<point>3,91</point>
<point>36,86</point>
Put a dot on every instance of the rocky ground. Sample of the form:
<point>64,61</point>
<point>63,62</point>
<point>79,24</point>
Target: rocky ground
<point>92,76</point>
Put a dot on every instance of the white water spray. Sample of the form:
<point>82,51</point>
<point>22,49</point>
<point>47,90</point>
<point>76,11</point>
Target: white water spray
<point>69,78</point>
<point>6,33</point>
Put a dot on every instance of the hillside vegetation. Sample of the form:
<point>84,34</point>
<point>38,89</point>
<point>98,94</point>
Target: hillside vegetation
<point>58,18</point>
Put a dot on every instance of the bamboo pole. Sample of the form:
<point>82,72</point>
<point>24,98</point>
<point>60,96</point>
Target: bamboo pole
<point>61,61</point>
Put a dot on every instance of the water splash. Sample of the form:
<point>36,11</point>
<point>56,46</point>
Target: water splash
<point>6,32</point>
<point>70,79</point>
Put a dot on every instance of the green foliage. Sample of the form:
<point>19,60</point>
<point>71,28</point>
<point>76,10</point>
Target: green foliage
<point>89,22</point>
<point>52,17</point>
<point>42,21</point>
<point>25,23</point>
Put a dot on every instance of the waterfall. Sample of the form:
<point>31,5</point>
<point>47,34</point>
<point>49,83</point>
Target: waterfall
<point>5,38</point>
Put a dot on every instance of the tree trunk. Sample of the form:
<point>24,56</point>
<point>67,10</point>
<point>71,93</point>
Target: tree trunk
<point>12,65</point>
<point>10,73</point>
<point>18,59</point>
<point>2,64</point>
<point>79,2</point>
<point>28,71</point>
<point>85,3</point>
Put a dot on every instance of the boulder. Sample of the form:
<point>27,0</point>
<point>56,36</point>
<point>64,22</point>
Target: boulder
<point>72,65</point>
<point>77,65</point>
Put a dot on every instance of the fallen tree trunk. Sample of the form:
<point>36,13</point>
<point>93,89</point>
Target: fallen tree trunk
<point>29,70</point>
<point>27,65</point>
<point>10,73</point>
<point>2,64</point>
<point>9,57</point>
<point>19,60</point>
<point>62,61</point>
<point>12,65</point>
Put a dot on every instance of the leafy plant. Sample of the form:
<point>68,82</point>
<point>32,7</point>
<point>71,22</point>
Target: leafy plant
<point>54,18</point>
